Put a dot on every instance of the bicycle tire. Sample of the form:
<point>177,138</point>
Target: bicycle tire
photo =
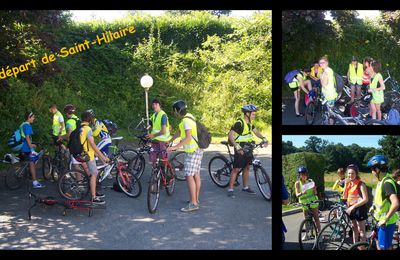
<point>170,188</point>
<point>137,165</point>
<point>333,234</point>
<point>177,161</point>
<point>133,187</point>
<point>219,169</point>
<point>375,122</point>
<point>304,225</point>
<point>15,176</point>
<point>46,167</point>
<point>310,113</point>
<point>334,214</point>
<point>74,185</point>
<point>153,192</point>
<point>263,182</point>
<point>369,246</point>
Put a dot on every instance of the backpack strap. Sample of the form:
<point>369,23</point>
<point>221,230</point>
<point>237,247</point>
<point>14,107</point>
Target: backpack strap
<point>87,143</point>
<point>196,129</point>
<point>21,130</point>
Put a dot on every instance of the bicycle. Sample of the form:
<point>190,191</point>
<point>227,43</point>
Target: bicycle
<point>59,162</point>
<point>220,169</point>
<point>313,105</point>
<point>74,184</point>
<point>136,128</point>
<point>308,229</point>
<point>19,172</point>
<point>162,175</point>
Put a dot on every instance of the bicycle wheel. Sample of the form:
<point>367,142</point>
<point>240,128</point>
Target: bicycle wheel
<point>153,192</point>
<point>15,175</point>
<point>375,122</point>
<point>129,183</point>
<point>170,188</point>
<point>45,167</point>
<point>177,161</point>
<point>137,128</point>
<point>307,234</point>
<point>331,237</point>
<point>363,246</point>
<point>310,113</point>
<point>137,165</point>
<point>263,182</point>
<point>220,170</point>
<point>334,214</point>
<point>73,185</point>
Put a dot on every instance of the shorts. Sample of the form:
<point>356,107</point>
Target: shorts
<point>359,214</point>
<point>240,161</point>
<point>158,146</point>
<point>295,89</point>
<point>316,83</point>
<point>355,85</point>
<point>192,164</point>
<point>25,157</point>
<point>312,206</point>
<point>385,236</point>
<point>91,165</point>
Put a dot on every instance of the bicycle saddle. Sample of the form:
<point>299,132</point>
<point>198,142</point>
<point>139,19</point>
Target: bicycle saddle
<point>224,142</point>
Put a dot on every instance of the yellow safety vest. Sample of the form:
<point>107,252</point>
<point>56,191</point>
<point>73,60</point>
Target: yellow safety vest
<point>377,96</point>
<point>57,125</point>
<point>356,77</point>
<point>329,90</point>
<point>192,145</point>
<point>295,83</point>
<point>247,135</point>
<point>319,72</point>
<point>381,205</point>
<point>156,127</point>
<point>308,196</point>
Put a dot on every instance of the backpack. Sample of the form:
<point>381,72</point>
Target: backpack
<point>290,76</point>
<point>203,135</point>
<point>339,83</point>
<point>111,126</point>
<point>16,141</point>
<point>369,192</point>
<point>393,117</point>
<point>74,143</point>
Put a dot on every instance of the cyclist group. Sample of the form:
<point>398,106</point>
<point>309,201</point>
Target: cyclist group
<point>161,140</point>
<point>385,203</point>
<point>364,76</point>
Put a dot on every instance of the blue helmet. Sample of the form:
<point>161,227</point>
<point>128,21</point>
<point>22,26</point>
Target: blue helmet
<point>249,108</point>
<point>302,169</point>
<point>377,160</point>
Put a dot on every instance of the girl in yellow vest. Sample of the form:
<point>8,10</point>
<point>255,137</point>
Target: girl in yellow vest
<point>315,75</point>
<point>356,195</point>
<point>328,81</point>
<point>376,87</point>
<point>307,195</point>
<point>188,133</point>
<point>300,82</point>
<point>355,75</point>
<point>386,201</point>
<point>340,182</point>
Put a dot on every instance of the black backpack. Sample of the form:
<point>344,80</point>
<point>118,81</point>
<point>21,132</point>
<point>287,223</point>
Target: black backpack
<point>203,135</point>
<point>74,143</point>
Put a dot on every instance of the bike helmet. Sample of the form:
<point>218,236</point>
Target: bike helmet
<point>179,107</point>
<point>9,158</point>
<point>90,111</point>
<point>249,108</point>
<point>377,160</point>
<point>367,98</point>
<point>69,109</point>
<point>354,58</point>
<point>353,167</point>
<point>302,169</point>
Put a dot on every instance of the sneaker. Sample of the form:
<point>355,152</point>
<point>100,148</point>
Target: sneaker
<point>230,194</point>
<point>249,191</point>
<point>100,195</point>
<point>98,201</point>
<point>38,185</point>
<point>188,201</point>
<point>190,207</point>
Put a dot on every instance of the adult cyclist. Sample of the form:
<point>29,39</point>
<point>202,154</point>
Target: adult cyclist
<point>71,123</point>
<point>386,201</point>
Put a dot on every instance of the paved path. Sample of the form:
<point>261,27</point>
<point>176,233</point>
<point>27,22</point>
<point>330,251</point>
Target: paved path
<point>289,115</point>
<point>221,223</point>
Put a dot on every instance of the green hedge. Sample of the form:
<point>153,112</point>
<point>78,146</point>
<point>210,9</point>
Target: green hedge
<point>314,162</point>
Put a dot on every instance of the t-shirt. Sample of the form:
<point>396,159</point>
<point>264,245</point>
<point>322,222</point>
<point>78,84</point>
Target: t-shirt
<point>388,189</point>
<point>86,132</point>
<point>366,77</point>
<point>238,127</point>
<point>163,120</point>
<point>27,129</point>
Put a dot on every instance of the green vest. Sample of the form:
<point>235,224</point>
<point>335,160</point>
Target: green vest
<point>72,122</point>
<point>381,205</point>
<point>308,196</point>
<point>377,96</point>
<point>156,127</point>
<point>295,83</point>
<point>57,125</point>
<point>247,135</point>
<point>356,77</point>
<point>192,145</point>
<point>329,90</point>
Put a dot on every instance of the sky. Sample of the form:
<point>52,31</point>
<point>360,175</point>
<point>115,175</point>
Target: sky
<point>361,140</point>
<point>86,15</point>
<point>362,14</point>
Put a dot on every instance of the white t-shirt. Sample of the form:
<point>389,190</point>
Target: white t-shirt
<point>186,126</point>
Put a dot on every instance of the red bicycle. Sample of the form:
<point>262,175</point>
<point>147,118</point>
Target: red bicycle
<point>162,175</point>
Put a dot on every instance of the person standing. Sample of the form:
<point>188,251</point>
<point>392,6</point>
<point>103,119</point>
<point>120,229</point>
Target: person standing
<point>328,81</point>
<point>300,82</point>
<point>376,87</point>
<point>355,75</point>
<point>188,133</point>
<point>70,125</point>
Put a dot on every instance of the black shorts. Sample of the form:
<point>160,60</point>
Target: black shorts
<point>240,161</point>
<point>359,214</point>
<point>295,89</point>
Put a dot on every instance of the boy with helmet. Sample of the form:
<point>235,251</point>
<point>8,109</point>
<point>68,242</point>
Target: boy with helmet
<point>386,201</point>
<point>307,196</point>
<point>240,135</point>
<point>188,133</point>
<point>70,125</point>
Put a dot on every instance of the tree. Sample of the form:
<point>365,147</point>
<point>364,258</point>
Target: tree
<point>392,19</point>
<point>391,148</point>
<point>179,12</point>
<point>220,12</point>
<point>288,148</point>
<point>345,17</point>
<point>315,144</point>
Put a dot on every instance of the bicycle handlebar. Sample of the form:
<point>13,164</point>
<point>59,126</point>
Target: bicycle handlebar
<point>307,204</point>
